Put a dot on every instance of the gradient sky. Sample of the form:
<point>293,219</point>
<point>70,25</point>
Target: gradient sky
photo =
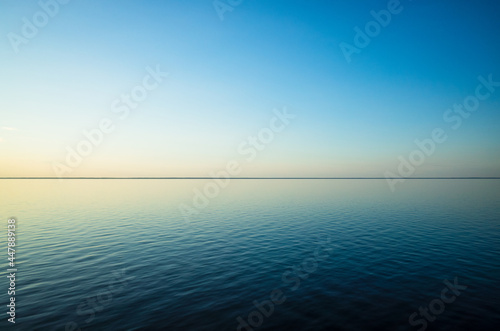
<point>227,76</point>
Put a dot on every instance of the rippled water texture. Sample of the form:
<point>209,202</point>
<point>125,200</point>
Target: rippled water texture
<point>335,255</point>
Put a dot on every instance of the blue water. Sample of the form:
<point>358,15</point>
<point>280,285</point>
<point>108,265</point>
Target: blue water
<point>333,254</point>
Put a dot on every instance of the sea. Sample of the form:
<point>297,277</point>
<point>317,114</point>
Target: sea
<point>250,254</point>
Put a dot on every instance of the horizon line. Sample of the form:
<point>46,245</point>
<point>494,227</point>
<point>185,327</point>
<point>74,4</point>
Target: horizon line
<point>455,177</point>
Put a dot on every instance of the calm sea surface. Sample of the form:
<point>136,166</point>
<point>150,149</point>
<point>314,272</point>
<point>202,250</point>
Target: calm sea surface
<point>263,255</point>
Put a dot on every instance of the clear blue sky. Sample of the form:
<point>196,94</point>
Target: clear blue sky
<point>226,77</point>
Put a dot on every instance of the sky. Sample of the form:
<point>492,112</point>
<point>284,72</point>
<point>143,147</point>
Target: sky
<point>210,75</point>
